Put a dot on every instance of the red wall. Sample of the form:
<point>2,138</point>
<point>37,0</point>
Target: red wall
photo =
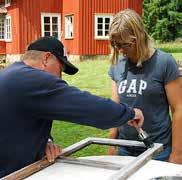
<point>71,7</point>
<point>30,18</point>
<point>13,47</point>
<point>90,46</point>
<point>2,47</point>
<point>26,21</point>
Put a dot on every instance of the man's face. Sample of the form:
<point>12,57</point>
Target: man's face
<point>52,65</point>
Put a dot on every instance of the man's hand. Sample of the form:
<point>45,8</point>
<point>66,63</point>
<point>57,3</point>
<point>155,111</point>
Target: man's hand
<point>52,151</point>
<point>138,120</point>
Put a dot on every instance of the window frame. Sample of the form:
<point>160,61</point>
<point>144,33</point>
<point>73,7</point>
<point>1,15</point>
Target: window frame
<point>8,38</point>
<point>51,15</point>
<point>66,34</point>
<point>103,16</point>
<point>3,28</point>
<point>7,3</point>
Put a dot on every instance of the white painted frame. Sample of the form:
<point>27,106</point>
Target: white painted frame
<point>103,16</point>
<point>51,15</point>
<point>7,3</point>
<point>8,28</point>
<point>68,27</point>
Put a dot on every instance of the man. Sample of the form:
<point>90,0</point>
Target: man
<point>32,95</point>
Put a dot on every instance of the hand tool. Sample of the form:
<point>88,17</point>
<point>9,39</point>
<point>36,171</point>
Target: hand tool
<point>145,137</point>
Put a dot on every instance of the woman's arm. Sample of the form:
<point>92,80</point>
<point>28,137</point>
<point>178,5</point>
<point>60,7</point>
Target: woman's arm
<point>174,95</point>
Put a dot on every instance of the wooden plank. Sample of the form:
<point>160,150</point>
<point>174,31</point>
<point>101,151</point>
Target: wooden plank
<point>137,163</point>
<point>28,170</point>
<point>43,163</point>
<point>39,165</point>
<point>90,163</point>
<point>117,142</point>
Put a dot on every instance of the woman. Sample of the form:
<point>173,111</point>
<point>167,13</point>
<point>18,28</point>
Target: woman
<point>146,78</point>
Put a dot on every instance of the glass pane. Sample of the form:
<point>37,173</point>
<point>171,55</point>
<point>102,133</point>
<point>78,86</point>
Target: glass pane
<point>99,33</point>
<point>106,33</point>
<point>55,20</point>
<point>47,33</point>
<point>106,26</point>
<point>107,20</point>
<point>55,34</point>
<point>46,27</point>
<point>99,26</point>
<point>46,19</point>
<point>55,28</point>
<point>100,20</point>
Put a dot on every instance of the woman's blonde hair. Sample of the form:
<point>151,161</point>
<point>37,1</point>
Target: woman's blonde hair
<point>126,27</point>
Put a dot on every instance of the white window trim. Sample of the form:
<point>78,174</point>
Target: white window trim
<point>51,15</point>
<point>7,4</point>
<point>67,37</point>
<point>96,22</point>
<point>10,39</point>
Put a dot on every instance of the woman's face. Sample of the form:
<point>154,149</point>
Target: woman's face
<point>127,49</point>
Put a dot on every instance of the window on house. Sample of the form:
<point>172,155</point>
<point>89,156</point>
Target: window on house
<point>2,33</point>
<point>7,2</point>
<point>50,25</point>
<point>102,26</point>
<point>8,34</point>
<point>69,27</point>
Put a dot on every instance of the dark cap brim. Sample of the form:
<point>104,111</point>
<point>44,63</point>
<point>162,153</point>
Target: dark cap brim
<point>69,68</point>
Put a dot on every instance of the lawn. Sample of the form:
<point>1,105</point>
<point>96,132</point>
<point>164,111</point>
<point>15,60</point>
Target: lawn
<point>92,76</point>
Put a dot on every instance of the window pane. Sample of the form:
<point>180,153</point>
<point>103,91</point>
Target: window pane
<point>54,20</point>
<point>107,20</point>
<point>47,33</point>
<point>106,26</point>
<point>55,34</point>
<point>99,33</point>
<point>106,33</point>
<point>46,19</point>
<point>1,28</point>
<point>47,27</point>
<point>55,28</point>
<point>99,26</point>
<point>100,20</point>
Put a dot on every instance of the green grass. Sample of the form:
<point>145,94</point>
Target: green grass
<point>92,76</point>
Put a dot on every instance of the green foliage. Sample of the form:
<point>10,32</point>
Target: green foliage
<point>163,19</point>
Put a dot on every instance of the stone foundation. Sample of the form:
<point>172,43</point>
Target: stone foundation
<point>12,58</point>
<point>78,58</point>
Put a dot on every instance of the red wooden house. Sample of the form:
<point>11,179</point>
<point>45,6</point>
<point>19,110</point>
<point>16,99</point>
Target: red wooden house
<point>82,25</point>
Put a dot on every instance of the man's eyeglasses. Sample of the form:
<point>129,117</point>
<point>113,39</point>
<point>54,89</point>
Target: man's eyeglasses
<point>117,45</point>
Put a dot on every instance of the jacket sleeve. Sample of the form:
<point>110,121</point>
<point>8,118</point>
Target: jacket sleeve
<point>63,102</point>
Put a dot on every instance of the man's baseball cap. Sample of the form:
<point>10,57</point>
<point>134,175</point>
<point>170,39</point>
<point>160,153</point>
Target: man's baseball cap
<point>55,47</point>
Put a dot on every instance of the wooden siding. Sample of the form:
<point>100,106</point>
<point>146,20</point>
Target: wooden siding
<point>30,18</point>
<point>89,45</point>
<point>26,21</point>
<point>2,47</point>
<point>71,7</point>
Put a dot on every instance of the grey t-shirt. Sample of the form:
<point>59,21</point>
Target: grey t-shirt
<point>143,87</point>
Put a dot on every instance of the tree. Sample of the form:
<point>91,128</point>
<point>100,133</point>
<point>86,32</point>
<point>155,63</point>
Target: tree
<point>163,19</point>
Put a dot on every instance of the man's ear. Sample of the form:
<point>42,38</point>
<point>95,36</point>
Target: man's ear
<point>45,58</point>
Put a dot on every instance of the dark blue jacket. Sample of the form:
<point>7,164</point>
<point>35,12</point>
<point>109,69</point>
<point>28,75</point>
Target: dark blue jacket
<point>30,99</point>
